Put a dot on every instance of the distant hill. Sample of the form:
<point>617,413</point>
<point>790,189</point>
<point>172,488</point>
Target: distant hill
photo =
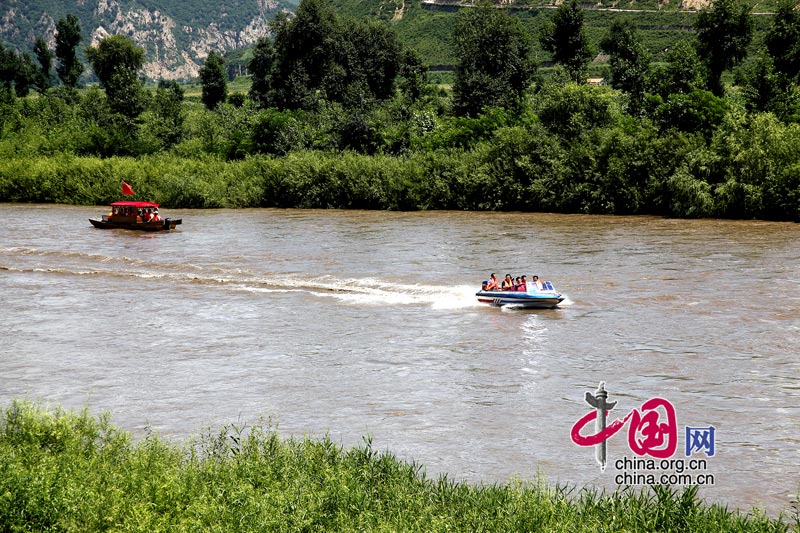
<point>177,35</point>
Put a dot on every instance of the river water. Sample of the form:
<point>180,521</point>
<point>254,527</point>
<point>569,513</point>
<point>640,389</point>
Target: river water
<point>357,323</point>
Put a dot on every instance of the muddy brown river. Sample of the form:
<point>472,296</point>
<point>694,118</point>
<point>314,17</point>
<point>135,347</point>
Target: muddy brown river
<point>357,323</point>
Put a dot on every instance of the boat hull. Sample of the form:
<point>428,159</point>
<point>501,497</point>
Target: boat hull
<point>158,225</point>
<point>522,300</point>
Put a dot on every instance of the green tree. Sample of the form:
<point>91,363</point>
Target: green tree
<point>724,30</point>
<point>25,75</point>
<point>783,39</point>
<point>17,71</point>
<point>319,57</point>
<point>493,67</point>
<point>116,61</point>
<point>68,36</point>
<point>305,48</point>
<point>766,89</point>
<point>565,38</point>
<point>414,74</point>
<point>212,77</point>
<point>682,72</point>
<point>260,67</point>
<point>630,62</point>
<point>8,66</point>
<point>45,57</point>
<point>695,112</point>
<point>369,53</point>
<point>168,113</point>
<point>574,109</point>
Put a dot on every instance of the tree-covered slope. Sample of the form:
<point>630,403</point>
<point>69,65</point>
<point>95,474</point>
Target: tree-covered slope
<point>427,25</point>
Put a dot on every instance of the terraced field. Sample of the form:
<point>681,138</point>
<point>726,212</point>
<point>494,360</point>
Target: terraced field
<point>427,25</point>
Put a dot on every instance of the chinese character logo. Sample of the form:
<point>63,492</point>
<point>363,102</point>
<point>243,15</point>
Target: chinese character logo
<point>652,429</point>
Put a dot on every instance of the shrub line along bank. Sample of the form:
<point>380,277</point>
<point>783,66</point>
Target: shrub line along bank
<point>507,175</point>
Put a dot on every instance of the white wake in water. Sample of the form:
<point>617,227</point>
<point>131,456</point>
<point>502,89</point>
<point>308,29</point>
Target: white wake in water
<point>372,291</point>
<point>355,291</point>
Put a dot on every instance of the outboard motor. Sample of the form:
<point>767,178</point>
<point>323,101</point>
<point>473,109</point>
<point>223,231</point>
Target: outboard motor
<point>167,222</point>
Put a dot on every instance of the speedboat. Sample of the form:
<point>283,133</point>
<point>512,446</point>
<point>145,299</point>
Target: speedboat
<point>135,215</point>
<point>535,297</point>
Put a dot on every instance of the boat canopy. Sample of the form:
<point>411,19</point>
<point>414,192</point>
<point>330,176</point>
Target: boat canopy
<point>134,204</point>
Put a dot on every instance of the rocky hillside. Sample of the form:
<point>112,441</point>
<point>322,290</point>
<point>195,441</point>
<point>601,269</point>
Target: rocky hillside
<point>176,35</point>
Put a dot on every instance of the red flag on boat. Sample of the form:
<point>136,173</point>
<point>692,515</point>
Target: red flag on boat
<point>127,189</point>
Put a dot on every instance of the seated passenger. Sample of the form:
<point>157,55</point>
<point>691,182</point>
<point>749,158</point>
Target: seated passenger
<point>523,284</point>
<point>508,283</point>
<point>536,283</point>
<point>492,284</point>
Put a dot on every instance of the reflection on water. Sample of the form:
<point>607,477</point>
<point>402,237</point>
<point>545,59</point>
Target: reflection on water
<point>365,323</point>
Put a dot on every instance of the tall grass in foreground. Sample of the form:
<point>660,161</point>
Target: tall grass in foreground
<point>65,471</point>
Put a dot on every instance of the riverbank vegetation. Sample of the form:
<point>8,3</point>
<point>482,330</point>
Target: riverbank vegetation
<point>338,114</point>
<point>67,471</point>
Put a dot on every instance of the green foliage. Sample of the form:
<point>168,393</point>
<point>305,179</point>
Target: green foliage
<point>260,67</point>
<point>697,111</point>
<point>212,76</point>
<point>573,109</point>
<point>493,65</point>
<point>68,36</point>
<point>724,31</point>
<point>373,56</point>
<point>630,62</point>
<point>116,61</point>
<point>766,89</point>
<point>17,71</point>
<point>167,115</point>
<point>305,51</point>
<point>8,66</point>
<point>466,132</point>
<point>756,153</point>
<point>565,38</point>
<point>783,40</point>
<point>322,58</point>
<point>682,71</point>
<point>61,470</point>
<point>45,58</point>
<point>341,117</point>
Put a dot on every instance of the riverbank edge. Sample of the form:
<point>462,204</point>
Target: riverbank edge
<point>442,180</point>
<point>67,470</point>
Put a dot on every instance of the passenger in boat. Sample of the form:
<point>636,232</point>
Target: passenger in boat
<point>536,282</point>
<point>492,284</point>
<point>517,283</point>
<point>523,284</point>
<point>508,283</point>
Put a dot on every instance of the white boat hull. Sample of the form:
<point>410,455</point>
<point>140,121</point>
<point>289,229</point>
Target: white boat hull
<point>523,300</point>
